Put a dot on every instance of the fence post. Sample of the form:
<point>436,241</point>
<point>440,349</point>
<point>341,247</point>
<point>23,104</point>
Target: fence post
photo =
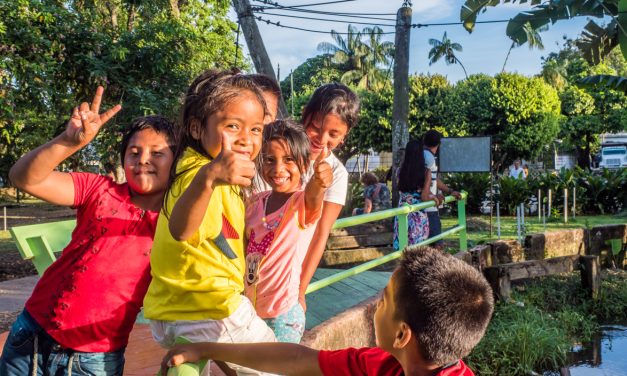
<point>403,236</point>
<point>461,216</point>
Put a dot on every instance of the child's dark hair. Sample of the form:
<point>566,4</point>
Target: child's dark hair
<point>294,137</point>
<point>334,99</point>
<point>207,94</point>
<point>157,123</point>
<point>267,84</point>
<point>432,138</point>
<point>446,303</point>
<point>411,178</point>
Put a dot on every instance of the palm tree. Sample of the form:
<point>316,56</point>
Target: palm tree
<point>554,73</point>
<point>348,53</point>
<point>378,54</point>
<point>532,36</point>
<point>445,49</point>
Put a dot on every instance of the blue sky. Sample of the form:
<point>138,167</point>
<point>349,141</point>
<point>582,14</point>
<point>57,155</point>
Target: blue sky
<point>484,50</point>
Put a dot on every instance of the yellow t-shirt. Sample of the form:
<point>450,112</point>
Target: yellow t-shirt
<point>201,278</point>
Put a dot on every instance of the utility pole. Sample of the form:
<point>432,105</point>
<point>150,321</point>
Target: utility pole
<point>400,106</point>
<point>278,73</point>
<point>292,89</point>
<point>255,45</point>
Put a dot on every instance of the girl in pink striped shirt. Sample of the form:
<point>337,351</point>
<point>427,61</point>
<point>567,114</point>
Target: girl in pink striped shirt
<point>279,226</point>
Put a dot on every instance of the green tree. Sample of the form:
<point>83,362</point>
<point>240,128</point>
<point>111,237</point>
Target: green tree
<point>532,36</point>
<point>314,71</point>
<point>520,114</point>
<point>590,112</point>
<point>53,56</point>
<point>445,49</point>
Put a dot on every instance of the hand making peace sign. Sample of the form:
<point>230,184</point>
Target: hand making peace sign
<point>85,122</point>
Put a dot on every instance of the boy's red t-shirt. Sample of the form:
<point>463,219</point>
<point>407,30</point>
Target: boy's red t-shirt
<point>89,298</point>
<point>372,361</point>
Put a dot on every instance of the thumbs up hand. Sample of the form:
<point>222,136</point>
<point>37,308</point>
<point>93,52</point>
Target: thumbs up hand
<point>323,173</point>
<point>230,167</point>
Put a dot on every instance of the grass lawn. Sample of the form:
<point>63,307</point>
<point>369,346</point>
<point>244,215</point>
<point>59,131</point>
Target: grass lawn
<point>509,228</point>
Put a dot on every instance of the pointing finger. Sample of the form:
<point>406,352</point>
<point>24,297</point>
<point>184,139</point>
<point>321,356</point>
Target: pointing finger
<point>95,105</point>
<point>226,141</point>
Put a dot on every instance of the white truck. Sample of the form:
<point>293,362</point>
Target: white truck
<point>613,155</point>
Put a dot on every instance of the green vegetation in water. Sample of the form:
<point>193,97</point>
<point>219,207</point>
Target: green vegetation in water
<point>542,320</point>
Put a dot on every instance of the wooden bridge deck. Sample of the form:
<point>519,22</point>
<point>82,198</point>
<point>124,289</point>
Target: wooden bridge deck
<point>144,355</point>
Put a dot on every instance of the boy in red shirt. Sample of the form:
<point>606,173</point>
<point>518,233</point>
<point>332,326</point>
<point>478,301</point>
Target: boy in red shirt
<point>433,312</point>
<point>83,308</point>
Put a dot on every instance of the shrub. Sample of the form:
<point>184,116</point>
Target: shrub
<point>511,192</point>
<point>354,199</point>
<point>476,184</point>
<point>604,193</point>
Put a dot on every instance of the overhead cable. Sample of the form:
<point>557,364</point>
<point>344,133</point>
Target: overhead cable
<point>327,20</point>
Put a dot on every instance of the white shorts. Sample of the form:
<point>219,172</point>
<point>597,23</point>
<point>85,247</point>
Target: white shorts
<point>243,326</point>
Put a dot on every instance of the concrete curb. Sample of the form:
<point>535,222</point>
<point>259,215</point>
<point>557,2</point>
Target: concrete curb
<point>351,328</point>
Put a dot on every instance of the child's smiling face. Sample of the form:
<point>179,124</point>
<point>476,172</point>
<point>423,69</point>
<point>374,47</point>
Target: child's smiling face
<point>242,119</point>
<point>147,162</point>
<point>280,169</point>
<point>328,132</point>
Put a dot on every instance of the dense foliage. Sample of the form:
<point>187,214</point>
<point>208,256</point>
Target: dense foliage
<point>602,193</point>
<point>543,320</point>
<point>53,56</point>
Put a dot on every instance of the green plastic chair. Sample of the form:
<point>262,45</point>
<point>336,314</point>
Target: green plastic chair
<point>39,243</point>
<point>185,369</point>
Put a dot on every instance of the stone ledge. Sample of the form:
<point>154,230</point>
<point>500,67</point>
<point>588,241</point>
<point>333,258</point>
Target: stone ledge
<point>556,244</point>
<point>351,328</point>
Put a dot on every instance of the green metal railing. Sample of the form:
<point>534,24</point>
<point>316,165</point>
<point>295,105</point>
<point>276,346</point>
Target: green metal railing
<point>402,213</point>
<point>188,369</point>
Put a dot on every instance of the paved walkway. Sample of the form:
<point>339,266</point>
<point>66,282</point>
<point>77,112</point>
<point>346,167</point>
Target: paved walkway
<point>143,354</point>
<point>15,293</point>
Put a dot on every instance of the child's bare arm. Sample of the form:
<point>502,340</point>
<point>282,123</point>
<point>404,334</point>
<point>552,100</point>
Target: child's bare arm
<point>34,174</point>
<point>321,180</point>
<point>228,168</point>
<point>278,358</point>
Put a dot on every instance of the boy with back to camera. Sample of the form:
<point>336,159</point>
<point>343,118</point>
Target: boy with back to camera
<point>423,327</point>
<point>432,142</point>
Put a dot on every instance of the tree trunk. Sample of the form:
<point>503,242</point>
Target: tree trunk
<point>120,177</point>
<point>113,6</point>
<point>174,8</point>
<point>583,160</point>
<point>460,63</point>
<point>131,18</point>
<point>507,58</point>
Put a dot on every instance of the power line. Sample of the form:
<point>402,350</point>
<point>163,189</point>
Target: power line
<point>308,30</point>
<point>338,14</point>
<point>317,11</point>
<point>327,20</point>
<point>525,20</point>
<point>304,5</point>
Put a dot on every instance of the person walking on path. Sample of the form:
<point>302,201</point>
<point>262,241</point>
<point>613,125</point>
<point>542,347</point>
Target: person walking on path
<point>517,172</point>
<point>432,141</point>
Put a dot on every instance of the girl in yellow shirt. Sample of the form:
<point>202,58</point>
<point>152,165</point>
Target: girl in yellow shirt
<point>198,256</point>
